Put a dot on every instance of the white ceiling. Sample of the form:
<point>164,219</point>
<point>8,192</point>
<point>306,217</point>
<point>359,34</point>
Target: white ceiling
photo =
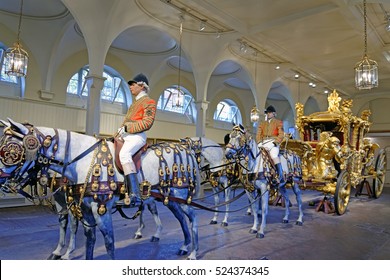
<point>322,39</point>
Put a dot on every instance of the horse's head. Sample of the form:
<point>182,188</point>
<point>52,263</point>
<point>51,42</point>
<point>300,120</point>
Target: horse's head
<point>18,150</point>
<point>238,141</point>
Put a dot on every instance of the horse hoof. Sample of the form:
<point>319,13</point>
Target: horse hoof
<point>299,223</point>
<point>224,224</point>
<point>54,257</point>
<point>182,253</point>
<point>285,221</point>
<point>252,231</point>
<point>137,236</point>
<point>260,235</point>
<point>154,239</point>
<point>213,222</point>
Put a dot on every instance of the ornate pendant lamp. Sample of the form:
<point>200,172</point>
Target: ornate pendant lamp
<point>255,114</point>
<point>16,58</point>
<point>366,70</point>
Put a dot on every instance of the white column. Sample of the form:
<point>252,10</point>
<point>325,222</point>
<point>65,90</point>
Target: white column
<point>95,85</point>
<point>201,108</point>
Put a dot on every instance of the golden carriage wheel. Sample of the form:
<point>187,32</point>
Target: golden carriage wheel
<point>380,170</point>
<point>342,194</point>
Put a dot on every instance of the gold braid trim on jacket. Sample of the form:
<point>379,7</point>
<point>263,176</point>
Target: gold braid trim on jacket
<point>140,116</point>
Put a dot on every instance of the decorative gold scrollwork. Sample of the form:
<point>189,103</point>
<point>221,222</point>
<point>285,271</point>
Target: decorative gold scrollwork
<point>12,153</point>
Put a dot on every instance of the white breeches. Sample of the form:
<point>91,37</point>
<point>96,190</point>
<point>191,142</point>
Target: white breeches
<point>132,143</point>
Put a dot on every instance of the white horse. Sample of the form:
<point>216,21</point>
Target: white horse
<point>261,174</point>
<point>215,169</point>
<point>218,171</point>
<point>169,173</point>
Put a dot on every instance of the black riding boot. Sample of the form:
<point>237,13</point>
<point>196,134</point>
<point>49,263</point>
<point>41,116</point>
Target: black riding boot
<point>279,169</point>
<point>136,200</point>
<point>131,184</point>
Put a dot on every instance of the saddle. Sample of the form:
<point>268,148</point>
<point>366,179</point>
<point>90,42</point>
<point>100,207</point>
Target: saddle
<point>118,143</point>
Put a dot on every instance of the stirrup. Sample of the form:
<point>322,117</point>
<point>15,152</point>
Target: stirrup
<point>135,201</point>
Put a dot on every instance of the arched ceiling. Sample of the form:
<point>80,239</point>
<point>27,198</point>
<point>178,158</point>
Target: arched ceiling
<point>321,39</point>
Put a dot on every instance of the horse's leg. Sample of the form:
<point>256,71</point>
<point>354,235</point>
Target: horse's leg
<point>190,212</point>
<point>63,221</point>
<point>90,234</point>
<point>60,206</point>
<point>249,210</point>
<point>214,220</point>
<point>179,214</point>
<point>152,206</point>
<point>74,223</point>
<point>255,207</point>
<point>298,196</point>
<point>228,191</point>
<point>284,193</point>
<point>138,233</point>
<point>104,223</point>
<point>264,209</point>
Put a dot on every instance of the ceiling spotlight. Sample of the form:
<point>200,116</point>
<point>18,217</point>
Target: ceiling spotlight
<point>202,25</point>
<point>243,47</point>
<point>387,26</point>
<point>277,67</point>
<point>296,76</point>
<point>313,85</point>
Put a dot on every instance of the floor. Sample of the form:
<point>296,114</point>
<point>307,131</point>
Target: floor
<point>362,233</point>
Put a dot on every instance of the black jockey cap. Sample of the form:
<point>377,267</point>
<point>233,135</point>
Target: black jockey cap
<point>140,78</point>
<point>270,109</point>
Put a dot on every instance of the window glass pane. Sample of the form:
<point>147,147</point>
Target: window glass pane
<point>3,76</point>
<point>73,84</point>
<point>112,91</point>
<point>227,111</point>
<point>180,102</point>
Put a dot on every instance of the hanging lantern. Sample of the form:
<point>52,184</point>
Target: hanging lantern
<point>16,58</point>
<point>366,70</point>
<point>255,114</point>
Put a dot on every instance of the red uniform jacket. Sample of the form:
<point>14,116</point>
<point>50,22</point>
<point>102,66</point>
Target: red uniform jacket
<point>140,116</point>
<point>272,129</point>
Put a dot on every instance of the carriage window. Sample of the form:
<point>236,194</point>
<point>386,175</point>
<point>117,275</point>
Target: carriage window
<point>177,101</point>
<point>113,89</point>
<point>227,111</point>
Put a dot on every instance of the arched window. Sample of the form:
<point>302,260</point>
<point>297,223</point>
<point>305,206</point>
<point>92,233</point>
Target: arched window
<point>177,101</point>
<point>227,111</point>
<point>113,89</point>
